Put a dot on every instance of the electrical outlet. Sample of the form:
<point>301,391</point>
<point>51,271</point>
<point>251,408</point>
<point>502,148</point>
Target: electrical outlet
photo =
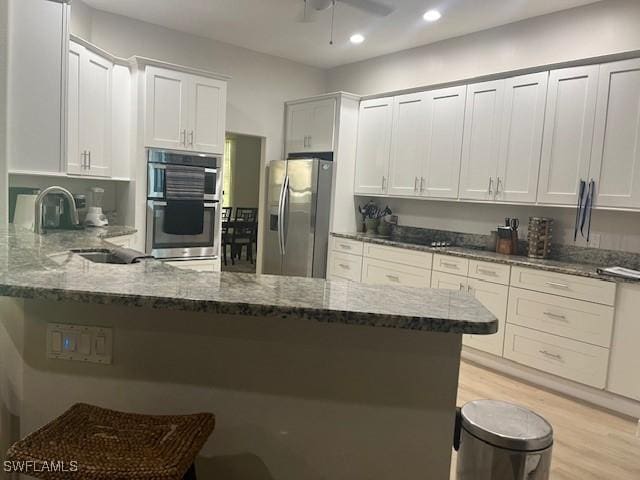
<point>79,343</point>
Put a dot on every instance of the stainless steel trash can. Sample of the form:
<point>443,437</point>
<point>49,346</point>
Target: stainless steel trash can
<point>502,441</point>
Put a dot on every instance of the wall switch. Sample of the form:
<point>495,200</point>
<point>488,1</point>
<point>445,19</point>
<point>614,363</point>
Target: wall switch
<point>79,343</point>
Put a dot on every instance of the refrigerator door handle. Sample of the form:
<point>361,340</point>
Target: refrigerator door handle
<point>285,201</point>
<point>280,215</point>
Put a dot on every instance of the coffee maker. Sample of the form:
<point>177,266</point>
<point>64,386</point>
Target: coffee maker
<point>95,217</point>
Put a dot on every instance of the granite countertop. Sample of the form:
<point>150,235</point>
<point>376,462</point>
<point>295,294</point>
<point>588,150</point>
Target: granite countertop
<point>570,268</point>
<point>42,267</point>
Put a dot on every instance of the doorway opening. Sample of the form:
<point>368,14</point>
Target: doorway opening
<point>241,202</point>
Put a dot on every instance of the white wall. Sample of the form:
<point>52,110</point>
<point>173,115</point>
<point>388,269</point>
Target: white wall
<point>597,29</point>
<point>4,181</point>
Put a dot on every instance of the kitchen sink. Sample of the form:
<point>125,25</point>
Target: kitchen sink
<point>101,255</point>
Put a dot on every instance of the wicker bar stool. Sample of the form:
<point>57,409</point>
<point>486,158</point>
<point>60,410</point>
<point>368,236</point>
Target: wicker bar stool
<point>110,445</point>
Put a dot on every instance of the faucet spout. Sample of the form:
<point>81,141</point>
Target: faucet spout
<point>37,224</point>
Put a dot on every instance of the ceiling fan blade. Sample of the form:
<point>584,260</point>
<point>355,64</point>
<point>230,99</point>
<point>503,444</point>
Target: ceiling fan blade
<point>370,6</point>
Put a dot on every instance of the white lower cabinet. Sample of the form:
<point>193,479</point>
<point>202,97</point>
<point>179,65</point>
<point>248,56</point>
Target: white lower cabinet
<point>126,241</point>
<point>577,361</point>
<point>209,265</point>
<point>494,297</point>
<point>380,272</point>
<point>448,281</point>
<point>344,266</point>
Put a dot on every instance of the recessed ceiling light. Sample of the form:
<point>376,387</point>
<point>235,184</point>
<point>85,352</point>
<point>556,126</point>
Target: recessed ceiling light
<point>432,16</point>
<point>356,38</point>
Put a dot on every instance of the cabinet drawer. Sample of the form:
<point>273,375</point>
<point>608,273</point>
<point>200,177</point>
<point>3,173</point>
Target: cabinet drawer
<point>208,265</point>
<point>560,356</point>
<point>491,272</point>
<point>449,264</point>
<point>571,286</point>
<point>398,255</point>
<point>343,266</point>
<point>126,241</point>
<point>448,281</point>
<point>584,321</point>
<point>346,245</point>
<point>386,273</point>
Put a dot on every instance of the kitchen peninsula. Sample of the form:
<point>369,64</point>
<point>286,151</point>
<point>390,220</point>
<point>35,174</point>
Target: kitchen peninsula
<point>300,382</point>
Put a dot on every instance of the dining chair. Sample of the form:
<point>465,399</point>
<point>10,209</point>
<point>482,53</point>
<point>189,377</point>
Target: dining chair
<point>245,229</point>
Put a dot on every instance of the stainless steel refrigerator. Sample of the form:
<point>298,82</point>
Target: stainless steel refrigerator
<point>299,200</point>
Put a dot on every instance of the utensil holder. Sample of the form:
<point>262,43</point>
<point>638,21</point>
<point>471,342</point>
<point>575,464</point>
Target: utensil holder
<point>539,237</point>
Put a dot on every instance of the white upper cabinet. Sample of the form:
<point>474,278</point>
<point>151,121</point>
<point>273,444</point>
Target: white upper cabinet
<point>443,137</point>
<point>481,145</point>
<point>373,146</point>
<point>89,113</point>
<point>208,114</point>
<point>615,161</point>
<point>568,134</point>
<point>521,137</point>
<point>408,144</point>
<point>311,126</point>
<point>184,112</point>
<point>167,102</point>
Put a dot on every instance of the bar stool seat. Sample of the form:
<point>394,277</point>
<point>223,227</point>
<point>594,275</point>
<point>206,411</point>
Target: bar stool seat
<point>109,445</point>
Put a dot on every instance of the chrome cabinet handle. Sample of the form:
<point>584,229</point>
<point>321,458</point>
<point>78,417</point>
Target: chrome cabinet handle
<point>384,179</point>
<point>344,265</point>
<point>451,265</point>
<point>462,287</point>
<point>89,159</point>
<point>395,278</point>
<point>345,247</point>
<point>487,272</point>
<point>490,185</point>
<point>557,285</point>
<point>183,136</point>
<point>421,184</point>
<point>83,162</point>
<point>191,138</point>
<point>556,316</point>
<point>546,353</point>
<point>415,185</point>
<point>499,181</point>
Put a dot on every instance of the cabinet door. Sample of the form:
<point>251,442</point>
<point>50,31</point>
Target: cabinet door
<point>321,132</point>
<point>615,162</point>
<point>207,113</point>
<point>299,121</point>
<point>379,272</point>
<point>166,109</point>
<point>481,145</point>
<point>75,154</point>
<point>373,147</point>
<point>494,298</point>
<point>521,137</point>
<point>568,133</point>
<point>95,114</point>
<point>445,122</point>
<point>408,144</point>
<point>448,281</point>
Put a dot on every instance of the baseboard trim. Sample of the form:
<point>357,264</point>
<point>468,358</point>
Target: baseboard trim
<point>593,396</point>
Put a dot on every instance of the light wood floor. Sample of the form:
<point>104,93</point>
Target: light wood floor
<point>590,444</point>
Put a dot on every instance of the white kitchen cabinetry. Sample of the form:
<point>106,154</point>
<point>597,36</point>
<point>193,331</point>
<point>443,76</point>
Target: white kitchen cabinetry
<point>209,265</point>
<point>311,126</point>
<point>443,135</point>
<point>184,111</point>
<point>615,161</point>
<point>125,241</point>
<point>521,137</point>
<point>494,297</point>
<point>373,146</point>
<point>481,145</point>
<point>568,134</point>
<point>89,113</point>
<point>624,368</point>
<point>408,144</point>
<point>448,281</point>
<point>381,272</point>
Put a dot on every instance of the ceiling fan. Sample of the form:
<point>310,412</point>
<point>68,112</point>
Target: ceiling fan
<point>369,6</point>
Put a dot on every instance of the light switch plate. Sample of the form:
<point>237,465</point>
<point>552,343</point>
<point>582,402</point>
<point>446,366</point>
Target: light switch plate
<point>79,343</point>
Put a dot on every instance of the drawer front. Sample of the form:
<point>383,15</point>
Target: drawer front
<point>491,272</point>
<point>494,298</point>
<point>560,356</point>
<point>386,273</point>
<point>570,286</point>
<point>125,241</point>
<point>575,319</point>
<point>404,256</point>
<point>343,266</point>
<point>345,245</point>
<point>195,265</point>
<point>448,281</point>
<point>449,264</point>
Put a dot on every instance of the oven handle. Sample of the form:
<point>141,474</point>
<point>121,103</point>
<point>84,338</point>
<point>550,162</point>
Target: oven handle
<point>163,203</point>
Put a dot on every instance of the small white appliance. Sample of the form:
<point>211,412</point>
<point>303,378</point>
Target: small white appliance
<point>95,217</point>
<point>25,211</point>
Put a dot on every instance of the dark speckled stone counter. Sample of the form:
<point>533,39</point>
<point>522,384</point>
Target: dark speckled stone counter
<point>570,268</point>
<point>41,267</point>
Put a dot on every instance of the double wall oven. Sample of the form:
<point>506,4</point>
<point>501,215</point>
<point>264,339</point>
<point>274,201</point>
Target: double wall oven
<point>171,246</point>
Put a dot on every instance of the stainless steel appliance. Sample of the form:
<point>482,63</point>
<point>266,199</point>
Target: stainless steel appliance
<point>166,245</point>
<point>299,200</point>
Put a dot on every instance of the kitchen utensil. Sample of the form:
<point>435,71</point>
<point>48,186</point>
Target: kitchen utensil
<point>539,237</point>
<point>514,224</point>
<point>581,192</point>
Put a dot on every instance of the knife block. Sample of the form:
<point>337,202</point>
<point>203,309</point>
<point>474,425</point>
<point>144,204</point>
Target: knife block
<point>508,246</point>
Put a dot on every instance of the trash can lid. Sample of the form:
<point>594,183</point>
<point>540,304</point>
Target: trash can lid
<point>506,425</point>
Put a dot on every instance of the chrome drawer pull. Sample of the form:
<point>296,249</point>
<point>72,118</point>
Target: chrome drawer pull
<point>557,316</point>
<point>345,247</point>
<point>394,278</point>
<point>555,356</point>
<point>557,285</point>
<point>487,272</point>
<point>452,265</point>
<point>345,266</point>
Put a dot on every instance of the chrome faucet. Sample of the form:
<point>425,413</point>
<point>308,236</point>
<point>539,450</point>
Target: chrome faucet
<point>38,218</point>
